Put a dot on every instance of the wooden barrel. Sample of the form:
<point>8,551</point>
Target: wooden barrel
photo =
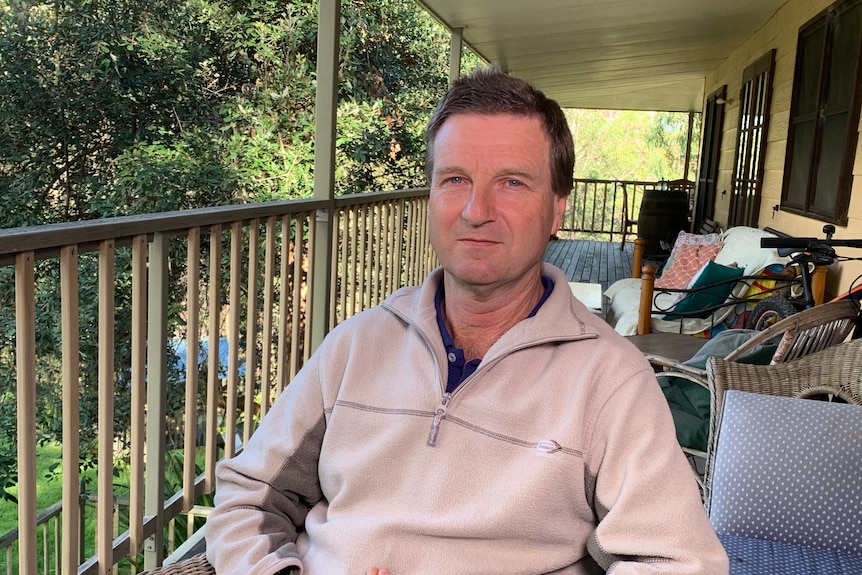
<point>662,215</point>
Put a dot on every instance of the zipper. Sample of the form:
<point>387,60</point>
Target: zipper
<point>439,414</point>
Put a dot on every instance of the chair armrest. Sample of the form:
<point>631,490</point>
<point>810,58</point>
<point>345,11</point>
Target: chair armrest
<point>638,257</point>
<point>695,374</point>
<point>645,307</point>
<point>197,565</point>
<point>818,284</point>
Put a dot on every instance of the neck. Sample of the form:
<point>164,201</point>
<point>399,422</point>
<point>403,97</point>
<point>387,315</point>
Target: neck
<point>476,320</point>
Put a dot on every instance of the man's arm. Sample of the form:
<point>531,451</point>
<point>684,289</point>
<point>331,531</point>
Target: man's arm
<point>651,517</point>
<point>263,495</point>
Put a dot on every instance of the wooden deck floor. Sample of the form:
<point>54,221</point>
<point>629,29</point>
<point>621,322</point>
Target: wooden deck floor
<point>591,261</point>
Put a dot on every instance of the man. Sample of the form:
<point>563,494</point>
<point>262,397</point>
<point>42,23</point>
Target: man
<point>485,422</point>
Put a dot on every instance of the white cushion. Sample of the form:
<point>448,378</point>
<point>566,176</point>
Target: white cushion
<point>741,247</point>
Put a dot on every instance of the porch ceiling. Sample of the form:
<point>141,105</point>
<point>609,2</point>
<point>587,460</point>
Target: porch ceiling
<point>611,54</point>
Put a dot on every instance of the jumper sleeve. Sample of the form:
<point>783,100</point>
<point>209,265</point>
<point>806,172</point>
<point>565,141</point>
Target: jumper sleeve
<point>263,495</point>
<point>651,518</point>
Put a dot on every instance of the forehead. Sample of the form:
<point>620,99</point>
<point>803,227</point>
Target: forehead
<point>491,134</point>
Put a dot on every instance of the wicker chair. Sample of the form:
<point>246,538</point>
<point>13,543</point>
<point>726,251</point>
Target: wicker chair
<point>197,565</point>
<point>803,333</point>
<point>831,374</point>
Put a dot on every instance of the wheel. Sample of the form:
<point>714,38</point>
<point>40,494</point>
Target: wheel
<point>768,311</point>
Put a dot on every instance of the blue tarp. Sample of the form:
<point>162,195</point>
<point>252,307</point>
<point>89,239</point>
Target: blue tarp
<point>180,346</point>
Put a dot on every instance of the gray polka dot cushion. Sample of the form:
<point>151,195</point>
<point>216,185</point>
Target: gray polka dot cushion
<point>786,487</point>
<point>749,556</point>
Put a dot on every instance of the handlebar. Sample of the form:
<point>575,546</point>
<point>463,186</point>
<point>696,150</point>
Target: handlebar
<point>789,242</point>
<point>797,244</point>
<point>820,251</point>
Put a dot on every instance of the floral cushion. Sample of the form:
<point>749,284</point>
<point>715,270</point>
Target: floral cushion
<point>688,259</point>
<point>696,239</point>
<point>685,238</point>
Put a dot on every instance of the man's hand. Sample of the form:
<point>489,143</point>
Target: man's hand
<point>378,571</point>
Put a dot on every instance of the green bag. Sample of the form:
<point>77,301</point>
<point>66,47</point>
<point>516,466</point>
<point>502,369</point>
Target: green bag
<point>689,401</point>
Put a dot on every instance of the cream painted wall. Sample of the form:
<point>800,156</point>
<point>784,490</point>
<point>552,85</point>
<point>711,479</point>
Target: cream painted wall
<point>780,33</point>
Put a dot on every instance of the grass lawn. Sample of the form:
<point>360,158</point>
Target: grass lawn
<point>49,490</point>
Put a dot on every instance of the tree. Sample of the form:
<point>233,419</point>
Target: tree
<point>630,145</point>
<point>90,87</point>
<point>115,107</point>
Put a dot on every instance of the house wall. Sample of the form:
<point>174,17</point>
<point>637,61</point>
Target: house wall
<point>780,33</point>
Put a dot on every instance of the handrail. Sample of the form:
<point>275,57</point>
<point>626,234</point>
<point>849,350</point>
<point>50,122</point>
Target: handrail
<point>598,207</point>
<point>45,240</point>
<point>255,261</point>
<point>242,272</point>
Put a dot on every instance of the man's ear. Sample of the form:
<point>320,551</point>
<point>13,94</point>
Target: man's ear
<point>559,211</point>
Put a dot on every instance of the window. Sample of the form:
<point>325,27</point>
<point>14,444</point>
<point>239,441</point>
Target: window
<point>824,115</point>
<point>754,102</point>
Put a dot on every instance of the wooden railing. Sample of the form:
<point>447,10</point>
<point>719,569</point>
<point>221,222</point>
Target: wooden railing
<point>192,322</point>
<point>158,284</point>
<point>600,209</point>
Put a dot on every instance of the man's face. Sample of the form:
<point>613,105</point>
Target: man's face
<point>492,208</point>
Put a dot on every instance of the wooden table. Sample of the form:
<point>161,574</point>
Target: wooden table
<point>676,346</point>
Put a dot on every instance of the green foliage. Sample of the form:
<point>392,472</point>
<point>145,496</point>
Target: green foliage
<point>629,145</point>
<point>392,82</point>
<point>84,82</point>
<point>115,107</point>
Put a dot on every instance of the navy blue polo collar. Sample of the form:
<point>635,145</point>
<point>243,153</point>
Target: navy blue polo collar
<point>459,368</point>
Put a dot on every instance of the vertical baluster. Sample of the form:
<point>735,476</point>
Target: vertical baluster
<point>70,337</point>
<point>214,329</point>
<point>157,378</point>
<point>139,393</point>
<point>25,350</point>
<point>339,259</point>
<point>104,505</point>
<point>251,333</point>
<point>311,255</point>
<point>296,294</point>
<point>287,253</point>
<point>193,290</point>
<point>352,262</point>
<point>233,339</point>
<point>268,294</point>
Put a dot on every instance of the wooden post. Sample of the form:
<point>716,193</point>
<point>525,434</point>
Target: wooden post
<point>326,102</point>
<point>638,257</point>
<point>455,47</point>
<point>645,308</point>
<point>818,284</point>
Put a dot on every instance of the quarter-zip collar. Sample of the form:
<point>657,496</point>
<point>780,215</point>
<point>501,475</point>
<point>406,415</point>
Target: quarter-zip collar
<point>459,368</point>
<point>559,319</point>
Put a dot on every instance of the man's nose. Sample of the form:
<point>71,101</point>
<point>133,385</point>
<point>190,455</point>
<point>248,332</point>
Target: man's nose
<point>479,207</point>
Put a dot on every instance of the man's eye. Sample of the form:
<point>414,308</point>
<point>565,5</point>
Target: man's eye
<point>455,180</point>
<point>514,183</point>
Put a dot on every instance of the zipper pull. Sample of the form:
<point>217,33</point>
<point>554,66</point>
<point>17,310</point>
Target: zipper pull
<point>438,417</point>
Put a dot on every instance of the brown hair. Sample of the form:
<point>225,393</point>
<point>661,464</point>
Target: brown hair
<point>491,91</point>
